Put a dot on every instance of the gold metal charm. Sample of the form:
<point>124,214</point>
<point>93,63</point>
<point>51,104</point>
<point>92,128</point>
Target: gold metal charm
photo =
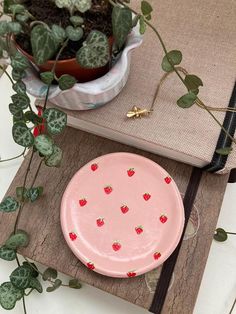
<point>137,112</point>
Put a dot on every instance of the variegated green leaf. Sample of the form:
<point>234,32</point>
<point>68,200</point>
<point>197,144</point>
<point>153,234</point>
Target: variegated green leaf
<point>7,254</point>
<point>22,135</point>
<point>35,284</point>
<point>20,277</point>
<point>121,24</point>
<point>19,62</point>
<point>21,100</point>
<point>9,294</point>
<point>56,120</point>
<point>9,204</point>
<point>44,144</point>
<point>19,239</point>
<point>55,159</point>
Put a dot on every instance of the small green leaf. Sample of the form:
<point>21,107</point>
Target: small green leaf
<point>55,286</point>
<point>44,144</point>
<point>220,235</point>
<point>19,62</point>
<point>76,20</point>
<point>224,151</point>
<point>19,239</point>
<point>22,135</point>
<point>34,193</point>
<point>35,284</point>
<point>49,273</point>
<point>15,110</point>
<point>55,118</point>
<point>14,27</point>
<point>59,33</point>
<point>66,81</point>
<point>22,18</point>
<point>9,204</point>
<point>187,100</point>
<point>3,28</point>
<point>47,77</point>
<point>9,295</point>
<point>17,75</point>
<point>19,87</point>
<point>33,269</point>
<point>121,24</point>
<point>74,34</point>
<point>21,100</point>
<point>55,159</point>
<point>142,25</point>
<point>75,284</point>
<point>20,277</point>
<point>95,51</point>
<point>192,82</point>
<point>7,254</point>
<point>146,8</point>
<point>16,8</point>
<point>32,117</point>
<point>175,56</point>
<point>43,43</point>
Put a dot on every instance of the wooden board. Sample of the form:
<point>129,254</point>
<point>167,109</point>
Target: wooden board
<point>47,245</point>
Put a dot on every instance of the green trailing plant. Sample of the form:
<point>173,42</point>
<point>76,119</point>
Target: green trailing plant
<point>36,130</point>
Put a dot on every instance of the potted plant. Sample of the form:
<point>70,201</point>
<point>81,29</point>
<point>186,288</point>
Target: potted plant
<point>77,40</point>
<point>36,130</point>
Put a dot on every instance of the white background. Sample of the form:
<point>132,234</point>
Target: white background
<point>218,288</point>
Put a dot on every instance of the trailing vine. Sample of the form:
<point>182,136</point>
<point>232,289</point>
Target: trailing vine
<point>36,130</point>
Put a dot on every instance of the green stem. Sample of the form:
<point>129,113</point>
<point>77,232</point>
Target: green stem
<point>53,71</point>
<point>9,159</point>
<point>233,233</point>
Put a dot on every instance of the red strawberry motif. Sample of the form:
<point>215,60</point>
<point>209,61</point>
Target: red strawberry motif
<point>90,265</point>
<point>73,236</point>
<point>94,167</point>
<point>130,172</point>
<point>124,209</point>
<point>100,222</point>
<point>131,274</point>
<point>168,180</point>
<point>139,229</point>
<point>116,246</point>
<point>82,202</point>
<point>163,219</point>
<point>157,255</point>
<point>108,189</point>
<point>146,196</point>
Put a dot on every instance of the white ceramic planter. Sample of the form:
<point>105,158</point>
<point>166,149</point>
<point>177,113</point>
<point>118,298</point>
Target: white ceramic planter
<point>93,94</point>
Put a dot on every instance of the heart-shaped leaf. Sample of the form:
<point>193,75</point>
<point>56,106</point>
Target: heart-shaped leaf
<point>59,33</point>
<point>7,254</point>
<point>9,295</point>
<point>220,235</point>
<point>22,18</point>
<point>75,284</point>
<point>20,100</point>
<point>187,100</point>
<point>19,62</point>
<point>47,77</point>
<point>22,135</point>
<point>43,44</point>
<point>66,81</point>
<point>16,110</point>
<point>19,239</point>
<point>224,151</point>
<point>14,27</point>
<point>142,25</point>
<point>192,82</point>
<point>19,87</point>
<point>76,20</point>
<point>49,273</point>
<point>56,119</point>
<point>55,286</point>
<point>74,34</point>
<point>18,74</point>
<point>34,193</point>
<point>32,117</point>
<point>175,56</point>
<point>20,277</point>
<point>121,24</point>
<point>16,8</point>
<point>21,193</point>
<point>33,269</point>
<point>9,204</point>
<point>55,159</point>
<point>35,284</point>
<point>95,52</point>
<point>146,8</point>
<point>44,144</point>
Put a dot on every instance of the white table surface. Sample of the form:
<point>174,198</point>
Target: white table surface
<point>218,288</point>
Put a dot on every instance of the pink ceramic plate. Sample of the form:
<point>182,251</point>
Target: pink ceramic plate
<point>122,215</point>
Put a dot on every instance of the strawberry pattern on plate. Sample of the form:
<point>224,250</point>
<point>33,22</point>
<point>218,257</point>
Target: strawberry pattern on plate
<point>122,215</point>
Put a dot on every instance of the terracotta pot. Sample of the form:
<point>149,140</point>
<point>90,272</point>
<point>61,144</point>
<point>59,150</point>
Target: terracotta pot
<point>71,66</point>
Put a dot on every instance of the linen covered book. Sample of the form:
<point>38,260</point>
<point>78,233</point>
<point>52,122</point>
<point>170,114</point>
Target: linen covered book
<point>203,32</point>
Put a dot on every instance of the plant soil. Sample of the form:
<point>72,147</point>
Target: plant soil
<point>97,18</point>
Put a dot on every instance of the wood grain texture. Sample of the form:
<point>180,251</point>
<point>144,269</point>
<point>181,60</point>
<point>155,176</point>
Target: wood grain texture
<point>47,245</point>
